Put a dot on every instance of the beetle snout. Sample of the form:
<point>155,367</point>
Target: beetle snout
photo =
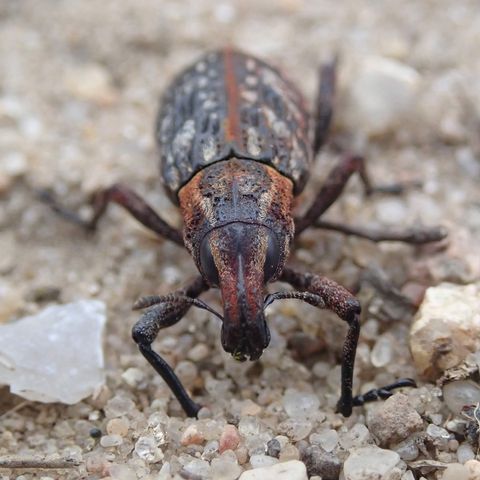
<point>246,340</point>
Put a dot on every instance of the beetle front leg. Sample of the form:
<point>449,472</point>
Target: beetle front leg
<point>166,312</point>
<point>325,293</point>
<point>339,300</point>
<point>126,198</point>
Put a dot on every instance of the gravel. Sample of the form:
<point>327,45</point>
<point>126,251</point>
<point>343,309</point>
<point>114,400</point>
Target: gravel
<point>79,89</point>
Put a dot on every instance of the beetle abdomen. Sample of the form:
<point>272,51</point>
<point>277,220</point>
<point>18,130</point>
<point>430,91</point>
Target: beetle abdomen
<point>229,104</point>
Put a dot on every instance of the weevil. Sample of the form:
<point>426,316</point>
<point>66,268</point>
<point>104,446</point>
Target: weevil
<point>237,144</point>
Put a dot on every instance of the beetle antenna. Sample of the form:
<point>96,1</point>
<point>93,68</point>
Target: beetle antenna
<point>150,300</point>
<point>308,297</point>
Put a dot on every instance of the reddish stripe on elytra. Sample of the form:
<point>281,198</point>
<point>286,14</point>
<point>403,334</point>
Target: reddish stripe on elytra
<point>231,122</point>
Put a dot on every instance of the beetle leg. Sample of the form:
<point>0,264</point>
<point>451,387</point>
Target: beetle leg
<point>414,235</point>
<point>334,185</point>
<point>347,307</point>
<point>325,293</point>
<point>125,197</point>
<point>324,103</point>
<point>383,392</point>
<point>162,315</point>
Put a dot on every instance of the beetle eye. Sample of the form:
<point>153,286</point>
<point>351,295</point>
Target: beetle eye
<point>209,269</point>
<point>272,258</point>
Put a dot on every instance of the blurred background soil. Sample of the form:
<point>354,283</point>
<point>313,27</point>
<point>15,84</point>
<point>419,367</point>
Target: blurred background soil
<point>80,84</point>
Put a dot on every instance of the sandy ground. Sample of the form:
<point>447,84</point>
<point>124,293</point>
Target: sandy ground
<point>79,89</point>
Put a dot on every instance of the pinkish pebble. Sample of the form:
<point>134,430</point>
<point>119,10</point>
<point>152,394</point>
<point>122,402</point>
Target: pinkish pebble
<point>229,439</point>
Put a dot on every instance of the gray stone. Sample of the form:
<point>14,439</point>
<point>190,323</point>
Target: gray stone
<point>460,393</point>
<point>320,462</point>
<point>394,420</point>
<point>379,95</point>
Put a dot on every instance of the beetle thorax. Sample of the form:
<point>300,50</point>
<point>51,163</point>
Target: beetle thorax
<point>237,190</point>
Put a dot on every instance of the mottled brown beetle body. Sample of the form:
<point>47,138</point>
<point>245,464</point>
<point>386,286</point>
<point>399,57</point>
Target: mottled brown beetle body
<point>234,142</point>
<point>236,148</point>
<point>229,104</point>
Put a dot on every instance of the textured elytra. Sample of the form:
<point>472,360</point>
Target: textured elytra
<point>229,104</point>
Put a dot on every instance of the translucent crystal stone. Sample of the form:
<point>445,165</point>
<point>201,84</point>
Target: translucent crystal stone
<point>119,406</point>
<point>327,439</point>
<point>198,468</point>
<point>147,449</point>
<point>460,393</point>
<point>226,467</point>
<point>300,404</point>
<point>55,355</point>
<point>382,351</point>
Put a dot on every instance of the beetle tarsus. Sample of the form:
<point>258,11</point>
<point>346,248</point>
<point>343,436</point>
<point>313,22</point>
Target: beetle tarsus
<point>382,393</point>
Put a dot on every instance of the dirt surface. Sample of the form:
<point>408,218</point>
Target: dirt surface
<point>80,84</point>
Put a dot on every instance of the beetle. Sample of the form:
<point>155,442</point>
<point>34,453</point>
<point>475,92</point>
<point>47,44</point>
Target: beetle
<point>237,144</point>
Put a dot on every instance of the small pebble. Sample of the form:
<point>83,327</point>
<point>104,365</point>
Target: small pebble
<point>368,100</point>
<point>394,420</point>
<point>300,404</point>
<point>438,436</point>
<point>369,462</point>
<point>95,432</point>
<point>318,462</point>
<point>147,449</point>
<point>250,408</point>
<point>192,436</point>
<point>119,406</point>
<point>187,372</point>
<point>465,453</point>
<point>133,377</point>
<point>242,455</point>
<point>111,441</point>
<point>122,472</point>
<point>258,461</point>
<point>293,470</point>
<point>91,82</point>
<point>474,469</point>
<point>289,452</point>
<point>229,439</point>
<point>446,328</point>
<point>456,471</point>
<point>357,436</point>
<point>198,352</point>
<point>408,450</point>
<point>382,351</point>
<point>460,393</point>
<point>117,426</point>
<point>197,469</point>
<point>327,439</point>
<point>273,448</point>
<point>97,464</point>
<point>226,466</point>
<point>295,428</point>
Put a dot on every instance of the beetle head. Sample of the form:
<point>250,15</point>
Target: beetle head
<point>240,258</point>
